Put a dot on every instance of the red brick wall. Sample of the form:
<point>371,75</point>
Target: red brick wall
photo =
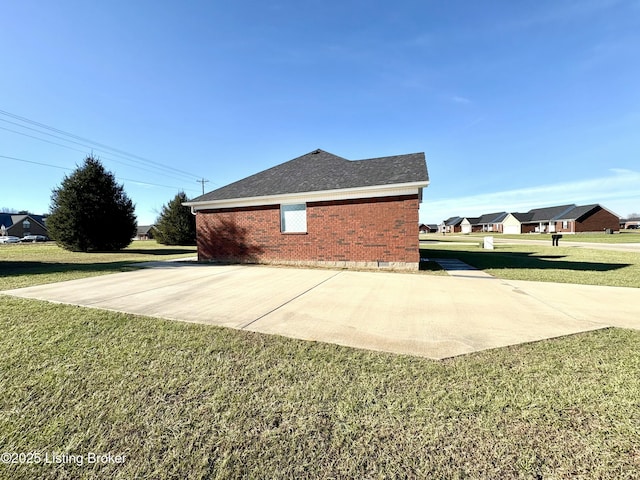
<point>367,230</point>
<point>598,221</point>
<point>17,229</point>
<point>559,229</point>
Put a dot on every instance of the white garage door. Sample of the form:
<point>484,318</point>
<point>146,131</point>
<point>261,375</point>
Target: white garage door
<point>511,229</point>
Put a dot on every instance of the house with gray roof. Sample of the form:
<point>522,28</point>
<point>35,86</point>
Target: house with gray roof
<point>562,219</point>
<point>318,209</point>
<point>490,222</point>
<point>145,232</point>
<point>587,218</point>
<point>468,223</point>
<point>20,225</point>
<point>451,225</point>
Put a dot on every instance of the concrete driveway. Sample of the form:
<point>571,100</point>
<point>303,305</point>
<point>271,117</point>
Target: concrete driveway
<point>417,314</point>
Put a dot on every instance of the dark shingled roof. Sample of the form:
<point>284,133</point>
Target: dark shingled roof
<point>578,212</point>
<point>145,229</point>
<point>561,212</point>
<point>522,217</point>
<point>11,219</point>
<point>549,213</point>
<point>453,221</point>
<point>489,218</point>
<point>319,171</point>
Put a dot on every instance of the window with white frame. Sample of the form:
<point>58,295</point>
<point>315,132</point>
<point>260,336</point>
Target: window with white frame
<point>565,224</point>
<point>293,218</point>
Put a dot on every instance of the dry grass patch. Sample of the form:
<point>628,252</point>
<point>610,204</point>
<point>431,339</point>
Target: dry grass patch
<point>193,401</point>
<point>29,264</point>
<point>545,263</point>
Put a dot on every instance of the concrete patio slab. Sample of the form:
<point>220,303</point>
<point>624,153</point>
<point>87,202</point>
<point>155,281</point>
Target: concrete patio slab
<point>417,314</point>
<point>437,317</point>
<point>230,296</point>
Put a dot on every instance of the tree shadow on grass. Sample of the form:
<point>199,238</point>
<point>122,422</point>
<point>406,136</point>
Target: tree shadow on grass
<point>488,259</point>
<point>156,251</point>
<point>19,268</point>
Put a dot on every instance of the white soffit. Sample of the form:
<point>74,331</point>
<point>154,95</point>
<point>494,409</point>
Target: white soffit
<point>306,197</point>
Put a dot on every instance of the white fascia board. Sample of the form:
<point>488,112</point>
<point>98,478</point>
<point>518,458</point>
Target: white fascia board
<point>318,196</point>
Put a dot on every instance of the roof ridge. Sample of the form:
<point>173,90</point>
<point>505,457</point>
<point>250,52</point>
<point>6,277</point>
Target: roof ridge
<point>320,170</point>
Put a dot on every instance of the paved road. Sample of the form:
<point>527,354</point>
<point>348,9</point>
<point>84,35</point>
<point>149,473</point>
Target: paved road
<point>426,315</point>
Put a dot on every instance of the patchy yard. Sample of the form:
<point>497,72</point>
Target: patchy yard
<point>543,263</point>
<point>193,401</point>
<point>22,265</point>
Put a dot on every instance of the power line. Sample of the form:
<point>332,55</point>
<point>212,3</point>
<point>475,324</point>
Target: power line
<point>35,163</point>
<point>101,145</point>
<point>78,150</point>
<point>70,169</point>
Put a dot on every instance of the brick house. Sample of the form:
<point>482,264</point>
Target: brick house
<point>451,225</point>
<point>145,232</point>
<point>587,218</point>
<point>317,209</point>
<point>19,225</point>
<point>562,219</point>
<point>489,222</point>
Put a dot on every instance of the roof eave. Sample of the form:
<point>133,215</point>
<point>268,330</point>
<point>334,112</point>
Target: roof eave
<point>314,196</point>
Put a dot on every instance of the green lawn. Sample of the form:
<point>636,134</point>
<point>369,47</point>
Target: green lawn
<point>194,401</point>
<point>631,236</point>
<point>545,263</point>
<point>37,263</point>
<point>625,236</point>
<point>182,400</point>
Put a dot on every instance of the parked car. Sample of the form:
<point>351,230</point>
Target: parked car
<point>34,238</point>
<point>9,239</point>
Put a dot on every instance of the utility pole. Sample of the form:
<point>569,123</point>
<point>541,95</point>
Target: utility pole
<point>203,181</point>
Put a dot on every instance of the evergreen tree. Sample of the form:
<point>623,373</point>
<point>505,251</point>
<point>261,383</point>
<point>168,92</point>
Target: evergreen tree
<point>90,211</point>
<point>176,225</point>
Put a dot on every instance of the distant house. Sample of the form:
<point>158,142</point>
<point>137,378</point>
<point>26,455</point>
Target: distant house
<point>468,223</point>
<point>427,228</point>
<point>542,220</point>
<point>490,222</point>
<point>630,223</point>
<point>451,225</point>
<point>145,232</point>
<point>562,219</point>
<point>318,209</point>
<point>19,225</point>
<point>587,218</point>
<point>512,223</point>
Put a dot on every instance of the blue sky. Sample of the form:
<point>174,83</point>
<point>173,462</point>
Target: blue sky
<point>517,105</point>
